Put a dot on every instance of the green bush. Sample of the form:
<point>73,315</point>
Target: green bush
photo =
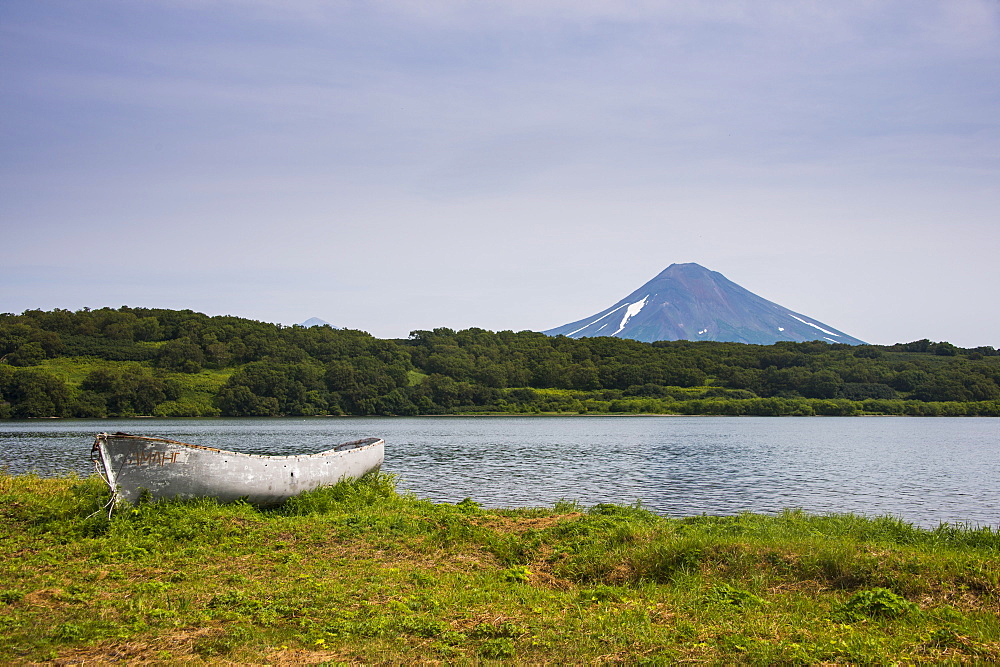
<point>875,603</point>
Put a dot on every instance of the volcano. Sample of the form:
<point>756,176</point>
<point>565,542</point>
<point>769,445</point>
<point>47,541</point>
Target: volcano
<point>690,302</point>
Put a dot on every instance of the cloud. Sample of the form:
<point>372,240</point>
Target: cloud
<point>446,150</point>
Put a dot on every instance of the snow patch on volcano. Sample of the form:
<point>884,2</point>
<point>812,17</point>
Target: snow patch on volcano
<point>816,326</point>
<point>632,311</point>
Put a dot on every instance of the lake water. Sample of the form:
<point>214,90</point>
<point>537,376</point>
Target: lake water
<point>924,470</point>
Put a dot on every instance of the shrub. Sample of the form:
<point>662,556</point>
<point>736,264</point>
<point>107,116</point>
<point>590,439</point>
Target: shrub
<point>726,594</point>
<point>875,603</point>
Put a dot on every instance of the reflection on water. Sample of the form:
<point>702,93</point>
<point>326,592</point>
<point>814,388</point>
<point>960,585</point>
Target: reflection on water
<point>923,470</point>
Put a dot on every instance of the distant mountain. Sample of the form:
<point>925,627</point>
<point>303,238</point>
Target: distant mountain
<point>689,302</point>
<point>314,322</point>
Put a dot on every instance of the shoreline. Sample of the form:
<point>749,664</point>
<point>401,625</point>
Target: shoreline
<point>616,415</point>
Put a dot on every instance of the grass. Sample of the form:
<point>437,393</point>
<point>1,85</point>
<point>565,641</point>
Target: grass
<point>358,573</point>
<point>71,370</point>
<point>415,377</point>
<point>197,393</point>
<point>196,390</point>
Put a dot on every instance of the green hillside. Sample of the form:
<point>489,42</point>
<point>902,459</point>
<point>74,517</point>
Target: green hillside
<point>139,361</point>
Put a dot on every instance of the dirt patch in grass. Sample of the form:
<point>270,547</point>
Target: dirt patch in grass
<point>962,597</point>
<point>46,598</point>
<point>541,577</point>
<point>174,646</point>
<point>290,656</point>
<point>807,586</point>
<point>518,525</point>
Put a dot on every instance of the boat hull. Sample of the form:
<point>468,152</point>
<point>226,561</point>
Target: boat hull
<point>137,466</point>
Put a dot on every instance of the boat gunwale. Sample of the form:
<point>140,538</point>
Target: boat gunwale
<point>359,445</point>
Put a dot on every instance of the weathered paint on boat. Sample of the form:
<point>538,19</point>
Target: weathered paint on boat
<point>134,465</point>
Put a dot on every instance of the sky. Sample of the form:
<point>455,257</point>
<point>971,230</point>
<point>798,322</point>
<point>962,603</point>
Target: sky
<point>392,165</point>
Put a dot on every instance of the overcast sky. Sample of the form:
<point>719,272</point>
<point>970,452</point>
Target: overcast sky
<point>391,166</point>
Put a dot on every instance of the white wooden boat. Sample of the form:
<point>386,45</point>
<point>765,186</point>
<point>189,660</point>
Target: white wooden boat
<point>134,465</point>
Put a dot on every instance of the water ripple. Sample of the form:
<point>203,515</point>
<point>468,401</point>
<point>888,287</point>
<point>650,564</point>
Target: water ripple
<point>923,470</point>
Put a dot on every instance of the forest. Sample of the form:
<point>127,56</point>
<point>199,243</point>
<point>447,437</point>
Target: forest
<point>179,363</point>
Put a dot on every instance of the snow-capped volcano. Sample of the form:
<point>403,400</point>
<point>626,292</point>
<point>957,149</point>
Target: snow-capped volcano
<point>689,302</point>
<point>314,322</point>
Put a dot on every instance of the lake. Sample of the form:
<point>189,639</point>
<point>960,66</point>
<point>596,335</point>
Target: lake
<point>924,470</point>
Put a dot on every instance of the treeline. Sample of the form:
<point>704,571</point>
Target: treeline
<point>139,361</point>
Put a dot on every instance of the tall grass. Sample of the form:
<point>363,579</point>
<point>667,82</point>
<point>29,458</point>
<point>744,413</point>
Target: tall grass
<point>359,573</point>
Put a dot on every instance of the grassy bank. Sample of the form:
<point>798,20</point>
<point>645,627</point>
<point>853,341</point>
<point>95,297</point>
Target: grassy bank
<point>358,573</point>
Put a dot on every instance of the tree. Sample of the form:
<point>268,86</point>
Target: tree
<point>35,393</point>
<point>822,384</point>
<point>396,402</point>
<point>288,385</point>
<point>239,401</point>
<point>182,354</point>
<point>29,354</point>
<point>126,390</point>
